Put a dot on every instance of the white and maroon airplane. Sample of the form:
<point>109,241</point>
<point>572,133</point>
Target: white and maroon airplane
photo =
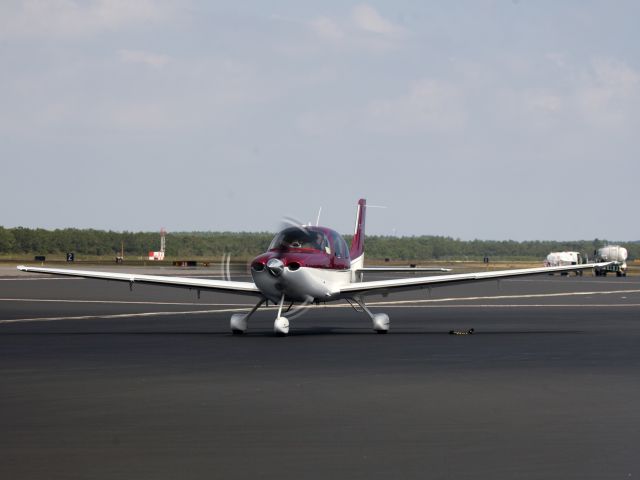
<point>312,265</point>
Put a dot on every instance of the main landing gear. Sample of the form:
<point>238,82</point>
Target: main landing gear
<point>380,320</point>
<point>239,320</point>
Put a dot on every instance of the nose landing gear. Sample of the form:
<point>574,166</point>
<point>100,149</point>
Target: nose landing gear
<point>281,324</point>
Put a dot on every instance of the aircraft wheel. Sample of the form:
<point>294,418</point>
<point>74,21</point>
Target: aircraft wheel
<point>238,323</point>
<point>281,326</point>
<point>380,322</point>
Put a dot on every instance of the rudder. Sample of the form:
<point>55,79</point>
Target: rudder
<point>356,252</point>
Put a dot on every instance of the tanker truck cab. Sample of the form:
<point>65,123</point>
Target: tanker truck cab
<point>561,259</point>
<point>615,254</point>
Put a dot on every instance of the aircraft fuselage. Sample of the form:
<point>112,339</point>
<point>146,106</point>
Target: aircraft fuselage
<point>304,272</point>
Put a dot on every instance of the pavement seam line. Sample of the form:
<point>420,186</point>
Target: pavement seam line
<point>229,310</point>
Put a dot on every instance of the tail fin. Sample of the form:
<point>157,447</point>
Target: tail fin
<point>357,244</point>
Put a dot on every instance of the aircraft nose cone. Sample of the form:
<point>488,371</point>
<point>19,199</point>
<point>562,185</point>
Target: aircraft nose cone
<point>275,267</point>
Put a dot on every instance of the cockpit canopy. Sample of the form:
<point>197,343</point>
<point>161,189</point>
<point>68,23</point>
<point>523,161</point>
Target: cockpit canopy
<point>313,239</point>
<point>307,238</point>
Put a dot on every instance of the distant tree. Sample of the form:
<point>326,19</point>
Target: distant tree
<point>7,241</point>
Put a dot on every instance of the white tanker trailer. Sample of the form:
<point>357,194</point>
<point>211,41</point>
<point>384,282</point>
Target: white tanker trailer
<point>615,254</point>
<point>560,259</point>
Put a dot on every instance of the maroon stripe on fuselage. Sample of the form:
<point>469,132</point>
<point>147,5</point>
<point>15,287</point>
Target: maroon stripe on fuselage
<point>304,258</point>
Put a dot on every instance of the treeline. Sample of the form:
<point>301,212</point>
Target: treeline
<point>447,248</point>
<point>25,241</point>
<point>22,241</point>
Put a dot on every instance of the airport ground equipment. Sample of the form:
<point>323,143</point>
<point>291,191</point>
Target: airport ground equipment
<point>617,258</point>
<point>560,259</point>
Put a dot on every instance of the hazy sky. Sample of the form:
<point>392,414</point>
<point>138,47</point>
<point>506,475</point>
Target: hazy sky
<point>472,119</point>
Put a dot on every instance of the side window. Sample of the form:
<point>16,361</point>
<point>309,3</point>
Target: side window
<point>345,249</point>
<point>338,245</point>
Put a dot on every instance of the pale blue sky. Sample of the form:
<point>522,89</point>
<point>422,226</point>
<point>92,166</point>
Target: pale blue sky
<point>473,119</point>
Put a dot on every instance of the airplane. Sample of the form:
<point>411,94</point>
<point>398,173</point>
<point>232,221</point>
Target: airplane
<point>312,264</point>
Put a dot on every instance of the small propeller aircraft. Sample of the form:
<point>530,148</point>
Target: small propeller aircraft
<point>312,264</point>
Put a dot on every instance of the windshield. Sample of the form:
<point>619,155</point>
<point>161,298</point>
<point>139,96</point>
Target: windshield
<point>297,237</point>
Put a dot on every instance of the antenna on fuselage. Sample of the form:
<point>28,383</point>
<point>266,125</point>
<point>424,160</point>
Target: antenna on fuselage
<point>318,217</point>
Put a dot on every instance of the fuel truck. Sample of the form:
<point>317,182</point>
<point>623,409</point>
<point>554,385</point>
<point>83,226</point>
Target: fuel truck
<point>615,254</point>
<point>559,259</point>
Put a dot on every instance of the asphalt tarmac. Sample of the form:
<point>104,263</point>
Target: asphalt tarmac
<point>99,382</point>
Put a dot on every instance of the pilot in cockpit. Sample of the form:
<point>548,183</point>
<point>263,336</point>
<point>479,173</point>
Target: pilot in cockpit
<point>321,243</point>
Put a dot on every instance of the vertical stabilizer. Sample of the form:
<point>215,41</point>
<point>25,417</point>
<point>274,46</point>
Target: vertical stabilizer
<point>357,244</point>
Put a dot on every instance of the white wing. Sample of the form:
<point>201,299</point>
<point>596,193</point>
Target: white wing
<point>244,288</point>
<point>401,269</point>
<point>385,286</point>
